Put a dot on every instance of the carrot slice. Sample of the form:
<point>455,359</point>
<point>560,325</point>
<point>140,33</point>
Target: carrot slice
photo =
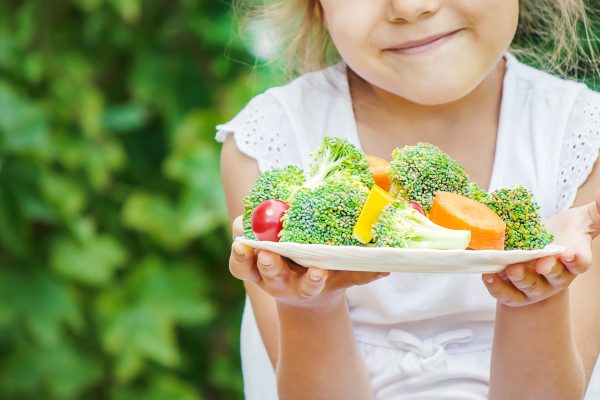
<point>380,169</point>
<point>454,211</point>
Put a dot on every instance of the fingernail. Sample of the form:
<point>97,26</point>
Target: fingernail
<point>546,269</point>
<point>265,260</point>
<point>237,249</point>
<point>315,276</point>
<point>570,259</point>
<point>489,279</point>
<point>519,275</point>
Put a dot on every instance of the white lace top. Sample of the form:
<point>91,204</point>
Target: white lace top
<point>548,141</point>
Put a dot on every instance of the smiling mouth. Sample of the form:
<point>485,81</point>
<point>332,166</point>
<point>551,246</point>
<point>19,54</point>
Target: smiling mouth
<point>423,45</point>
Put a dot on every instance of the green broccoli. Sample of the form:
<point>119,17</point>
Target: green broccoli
<point>279,184</point>
<point>326,214</point>
<point>326,208</point>
<point>400,225</point>
<point>417,172</point>
<point>476,193</point>
<point>336,155</point>
<point>518,210</point>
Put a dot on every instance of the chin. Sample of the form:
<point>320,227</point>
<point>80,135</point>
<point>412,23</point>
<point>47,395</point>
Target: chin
<point>437,97</point>
<point>436,93</point>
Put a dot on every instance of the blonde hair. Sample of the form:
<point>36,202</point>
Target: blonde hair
<point>554,35</point>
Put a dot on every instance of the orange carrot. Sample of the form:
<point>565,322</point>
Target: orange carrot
<point>381,172</point>
<point>454,211</point>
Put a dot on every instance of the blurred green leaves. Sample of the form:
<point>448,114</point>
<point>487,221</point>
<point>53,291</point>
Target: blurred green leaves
<point>113,232</point>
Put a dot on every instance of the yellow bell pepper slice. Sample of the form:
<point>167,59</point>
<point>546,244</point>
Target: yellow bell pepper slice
<point>376,201</point>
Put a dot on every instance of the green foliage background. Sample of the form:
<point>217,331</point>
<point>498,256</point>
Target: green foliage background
<point>113,233</point>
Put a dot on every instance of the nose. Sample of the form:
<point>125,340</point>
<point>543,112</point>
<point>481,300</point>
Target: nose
<point>411,10</point>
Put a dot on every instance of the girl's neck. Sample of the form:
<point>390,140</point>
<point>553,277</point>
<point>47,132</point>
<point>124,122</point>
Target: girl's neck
<point>397,120</point>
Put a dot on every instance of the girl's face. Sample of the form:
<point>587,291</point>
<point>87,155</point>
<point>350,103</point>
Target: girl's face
<point>429,52</point>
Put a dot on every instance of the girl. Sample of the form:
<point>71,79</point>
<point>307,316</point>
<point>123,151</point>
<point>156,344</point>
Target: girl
<point>437,71</point>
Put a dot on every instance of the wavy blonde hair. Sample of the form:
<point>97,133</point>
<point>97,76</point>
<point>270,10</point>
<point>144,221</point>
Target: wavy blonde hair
<point>554,35</point>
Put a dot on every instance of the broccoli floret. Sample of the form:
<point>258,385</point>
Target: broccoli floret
<point>518,210</point>
<point>417,172</point>
<point>336,155</point>
<point>476,193</point>
<point>326,208</point>
<point>326,214</point>
<point>275,184</point>
<point>400,225</point>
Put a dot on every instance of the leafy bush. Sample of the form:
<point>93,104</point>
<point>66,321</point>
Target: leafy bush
<point>113,232</point>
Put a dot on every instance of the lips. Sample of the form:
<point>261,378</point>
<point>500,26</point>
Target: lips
<point>422,42</point>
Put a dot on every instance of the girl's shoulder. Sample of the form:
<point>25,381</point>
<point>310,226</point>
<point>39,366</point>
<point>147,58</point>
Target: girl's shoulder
<point>552,92</point>
<point>556,122</point>
<point>281,125</point>
<point>580,146</point>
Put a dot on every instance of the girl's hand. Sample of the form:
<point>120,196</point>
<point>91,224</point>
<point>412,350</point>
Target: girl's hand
<point>526,283</point>
<point>289,282</point>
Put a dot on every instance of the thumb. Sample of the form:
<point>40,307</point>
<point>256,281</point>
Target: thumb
<point>237,228</point>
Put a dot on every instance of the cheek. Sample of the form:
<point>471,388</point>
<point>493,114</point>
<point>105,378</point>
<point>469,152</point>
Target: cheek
<point>350,24</point>
<point>494,21</point>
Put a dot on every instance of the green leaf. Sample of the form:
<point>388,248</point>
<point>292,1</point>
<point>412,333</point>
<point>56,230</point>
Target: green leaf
<point>92,261</point>
<point>9,298</point>
<point>66,195</point>
<point>102,159</point>
<point>128,9</point>
<point>155,216</point>
<point>163,387</point>
<point>46,305</point>
<point>143,332</point>
<point>173,290</point>
<point>88,5</point>
<point>23,125</point>
<point>61,370</point>
<point>124,118</point>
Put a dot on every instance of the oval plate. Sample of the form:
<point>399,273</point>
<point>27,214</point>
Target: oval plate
<point>385,259</point>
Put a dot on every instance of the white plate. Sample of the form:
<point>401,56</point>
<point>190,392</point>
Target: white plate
<point>383,259</point>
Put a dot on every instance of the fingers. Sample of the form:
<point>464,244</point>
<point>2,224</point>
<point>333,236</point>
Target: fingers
<point>525,283</point>
<point>241,263</point>
<point>528,281</point>
<point>577,257</point>
<point>237,227</point>
<point>346,279</point>
<point>554,271</point>
<point>273,270</point>
<point>311,283</point>
<point>504,291</point>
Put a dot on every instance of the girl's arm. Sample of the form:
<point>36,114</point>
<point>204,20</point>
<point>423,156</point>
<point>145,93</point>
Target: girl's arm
<point>238,173</point>
<point>547,350</point>
<point>305,324</point>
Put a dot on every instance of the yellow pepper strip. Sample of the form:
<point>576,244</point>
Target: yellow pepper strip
<point>376,201</point>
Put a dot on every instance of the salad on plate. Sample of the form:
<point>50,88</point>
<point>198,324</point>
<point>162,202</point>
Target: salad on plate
<point>418,213</point>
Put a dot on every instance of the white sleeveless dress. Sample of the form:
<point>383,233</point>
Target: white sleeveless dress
<point>424,336</point>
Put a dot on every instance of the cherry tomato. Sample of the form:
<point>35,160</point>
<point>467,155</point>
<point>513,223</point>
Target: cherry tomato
<point>416,206</point>
<point>266,219</point>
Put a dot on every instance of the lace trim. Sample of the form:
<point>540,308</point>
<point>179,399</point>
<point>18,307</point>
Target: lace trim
<point>580,148</point>
<point>256,136</point>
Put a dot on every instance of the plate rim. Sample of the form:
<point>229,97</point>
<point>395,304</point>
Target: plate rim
<point>249,242</point>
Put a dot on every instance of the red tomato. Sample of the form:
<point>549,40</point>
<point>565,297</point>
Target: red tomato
<point>416,206</point>
<point>266,219</point>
